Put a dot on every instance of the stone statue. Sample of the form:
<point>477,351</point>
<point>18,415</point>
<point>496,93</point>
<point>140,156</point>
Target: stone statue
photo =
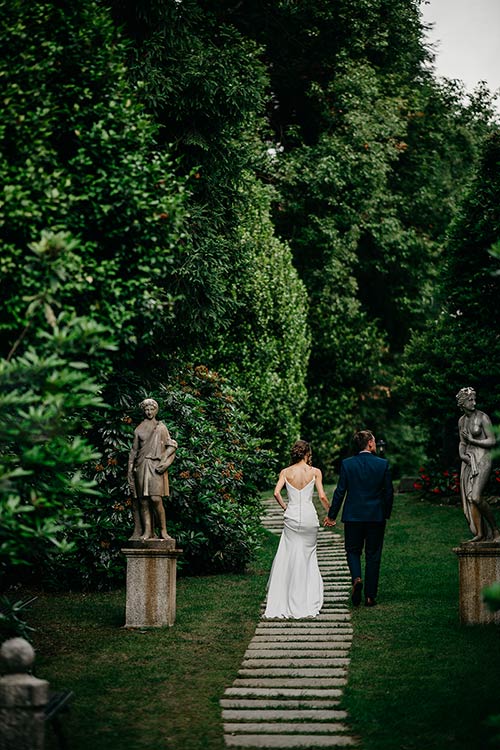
<point>476,441</point>
<point>152,453</point>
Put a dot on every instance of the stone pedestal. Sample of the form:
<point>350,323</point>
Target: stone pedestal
<point>478,566</point>
<point>22,699</point>
<point>151,583</point>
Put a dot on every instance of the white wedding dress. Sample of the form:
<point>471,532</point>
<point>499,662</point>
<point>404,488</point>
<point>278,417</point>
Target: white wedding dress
<point>295,587</point>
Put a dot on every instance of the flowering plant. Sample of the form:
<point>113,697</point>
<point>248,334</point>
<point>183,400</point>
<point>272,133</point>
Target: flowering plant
<point>436,483</point>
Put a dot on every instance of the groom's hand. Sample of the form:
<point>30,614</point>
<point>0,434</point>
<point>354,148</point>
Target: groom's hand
<point>329,522</point>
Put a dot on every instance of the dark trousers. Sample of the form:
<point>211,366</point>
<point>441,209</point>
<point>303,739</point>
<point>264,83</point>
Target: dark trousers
<point>370,535</point>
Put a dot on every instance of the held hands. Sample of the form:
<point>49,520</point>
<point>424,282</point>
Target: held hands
<point>329,522</point>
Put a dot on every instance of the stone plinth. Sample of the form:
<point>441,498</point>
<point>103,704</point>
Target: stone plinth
<point>478,566</point>
<point>151,583</point>
<point>22,698</point>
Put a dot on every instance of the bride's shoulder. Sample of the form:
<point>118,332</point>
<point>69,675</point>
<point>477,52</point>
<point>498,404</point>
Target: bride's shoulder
<point>317,472</point>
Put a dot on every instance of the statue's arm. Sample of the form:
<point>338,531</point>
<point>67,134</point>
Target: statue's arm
<point>462,447</point>
<point>168,453</point>
<point>131,462</point>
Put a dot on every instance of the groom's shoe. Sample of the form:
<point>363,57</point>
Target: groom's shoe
<point>370,602</point>
<point>357,588</point>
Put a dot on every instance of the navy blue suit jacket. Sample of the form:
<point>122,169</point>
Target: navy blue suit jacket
<point>365,483</point>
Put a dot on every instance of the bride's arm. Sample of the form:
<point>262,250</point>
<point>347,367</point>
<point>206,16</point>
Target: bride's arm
<point>277,490</point>
<point>321,492</point>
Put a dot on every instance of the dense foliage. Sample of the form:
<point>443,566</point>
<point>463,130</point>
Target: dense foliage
<point>44,398</point>
<point>93,246</point>
<point>260,190</point>
<point>461,346</point>
<point>83,185</point>
<point>242,303</point>
<point>373,155</point>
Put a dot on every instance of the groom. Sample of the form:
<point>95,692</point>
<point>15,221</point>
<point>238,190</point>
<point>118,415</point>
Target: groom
<point>365,483</point>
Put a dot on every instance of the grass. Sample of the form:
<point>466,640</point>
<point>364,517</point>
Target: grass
<point>154,688</point>
<point>418,679</point>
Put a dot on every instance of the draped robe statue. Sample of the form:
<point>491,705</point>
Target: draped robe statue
<point>153,451</point>
<point>476,441</point>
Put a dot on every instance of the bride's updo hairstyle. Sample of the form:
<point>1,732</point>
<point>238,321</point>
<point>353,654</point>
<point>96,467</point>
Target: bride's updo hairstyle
<point>300,449</point>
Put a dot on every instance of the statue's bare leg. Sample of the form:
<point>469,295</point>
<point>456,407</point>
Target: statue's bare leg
<point>146,519</point>
<point>477,521</point>
<point>136,515</point>
<point>160,514</point>
<point>487,513</point>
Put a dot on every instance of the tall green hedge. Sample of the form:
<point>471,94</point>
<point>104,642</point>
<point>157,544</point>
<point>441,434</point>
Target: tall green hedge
<point>461,346</point>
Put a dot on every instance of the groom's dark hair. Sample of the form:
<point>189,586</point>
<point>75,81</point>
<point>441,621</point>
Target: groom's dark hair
<point>362,438</point>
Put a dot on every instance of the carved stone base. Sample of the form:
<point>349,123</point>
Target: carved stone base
<point>478,566</point>
<point>151,584</point>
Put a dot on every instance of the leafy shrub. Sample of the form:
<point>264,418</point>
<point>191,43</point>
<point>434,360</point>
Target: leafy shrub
<point>44,398</point>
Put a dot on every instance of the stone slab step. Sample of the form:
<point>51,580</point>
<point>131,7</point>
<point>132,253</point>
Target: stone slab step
<point>287,636</point>
<point>313,631</point>
<point>291,645</point>
<point>331,630</point>
<point>310,671</point>
<point>281,639</point>
<point>277,714</point>
<point>303,625</point>
<point>327,617</point>
<point>297,653</point>
<point>288,704</point>
<point>283,692</point>
<point>337,597</point>
<point>308,727</point>
<point>282,629</point>
<point>340,661</point>
<point>289,682</point>
<point>309,741</point>
<point>328,634</point>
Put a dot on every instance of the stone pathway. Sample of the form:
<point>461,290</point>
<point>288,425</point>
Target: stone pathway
<point>291,679</point>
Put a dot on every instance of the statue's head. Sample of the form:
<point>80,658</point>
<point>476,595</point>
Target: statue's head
<point>150,407</point>
<point>464,395</point>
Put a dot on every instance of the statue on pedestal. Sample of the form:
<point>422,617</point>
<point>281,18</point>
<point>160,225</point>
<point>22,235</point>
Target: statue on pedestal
<point>476,441</point>
<point>153,451</point>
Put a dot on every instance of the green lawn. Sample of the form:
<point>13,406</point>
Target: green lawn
<point>418,680</point>
<point>153,689</point>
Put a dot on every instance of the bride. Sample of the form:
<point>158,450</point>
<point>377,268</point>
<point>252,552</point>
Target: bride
<point>295,587</point>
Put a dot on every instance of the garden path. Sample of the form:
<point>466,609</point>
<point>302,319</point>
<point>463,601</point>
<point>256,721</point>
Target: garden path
<point>288,689</point>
